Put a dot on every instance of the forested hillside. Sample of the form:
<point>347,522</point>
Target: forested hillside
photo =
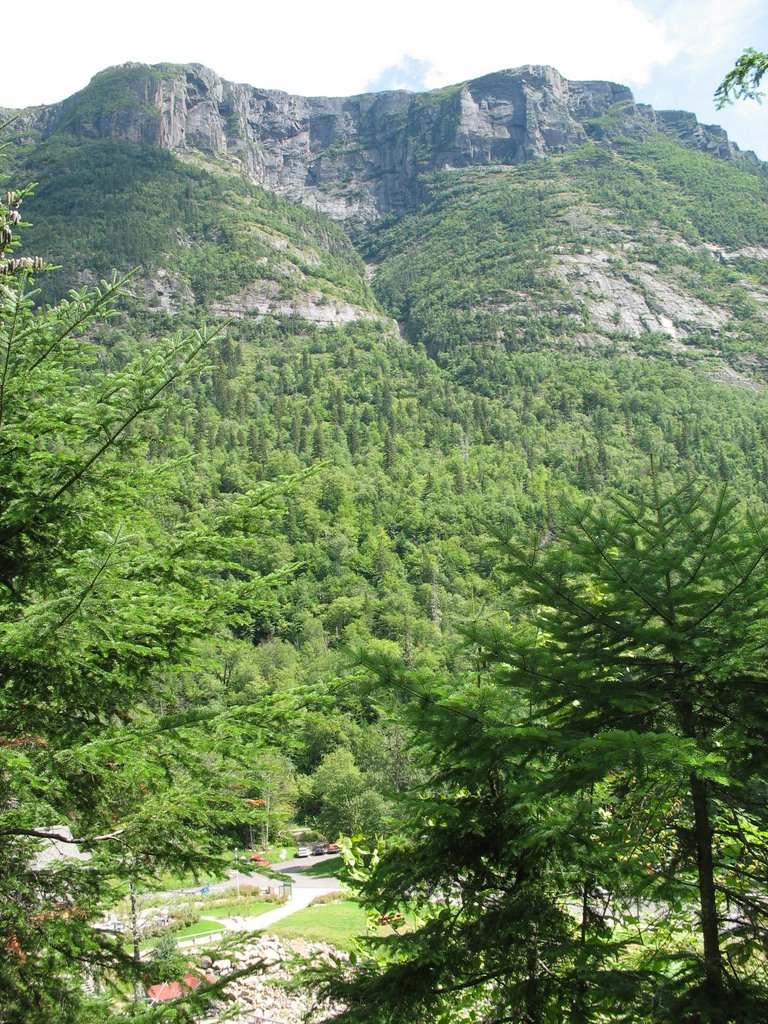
<point>499,350</point>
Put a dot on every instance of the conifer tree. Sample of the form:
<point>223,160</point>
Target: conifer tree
<point>594,826</point>
<point>649,674</point>
<point>106,589</point>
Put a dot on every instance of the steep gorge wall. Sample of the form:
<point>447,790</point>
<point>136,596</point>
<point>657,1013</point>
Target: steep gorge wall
<point>357,157</point>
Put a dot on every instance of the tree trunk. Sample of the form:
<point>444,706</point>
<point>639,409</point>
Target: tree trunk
<point>532,995</point>
<point>579,1007</point>
<point>702,830</point>
<point>138,987</point>
<point>713,964</point>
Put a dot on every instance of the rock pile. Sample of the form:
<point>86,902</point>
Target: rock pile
<point>264,997</point>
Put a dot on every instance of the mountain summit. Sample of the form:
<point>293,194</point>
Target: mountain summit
<point>359,157</point>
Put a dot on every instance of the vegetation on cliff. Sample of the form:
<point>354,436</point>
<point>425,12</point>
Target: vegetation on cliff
<point>530,338</point>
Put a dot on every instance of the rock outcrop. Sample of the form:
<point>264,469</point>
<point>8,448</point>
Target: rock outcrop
<point>358,157</point>
<point>266,995</point>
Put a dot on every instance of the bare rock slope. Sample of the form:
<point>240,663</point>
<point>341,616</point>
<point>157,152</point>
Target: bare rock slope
<point>358,156</point>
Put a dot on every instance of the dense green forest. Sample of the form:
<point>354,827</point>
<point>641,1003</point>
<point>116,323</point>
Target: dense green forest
<point>445,534</point>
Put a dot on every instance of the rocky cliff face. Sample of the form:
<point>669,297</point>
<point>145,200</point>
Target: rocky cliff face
<point>358,156</point>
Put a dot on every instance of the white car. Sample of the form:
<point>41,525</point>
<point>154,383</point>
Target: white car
<point>303,851</point>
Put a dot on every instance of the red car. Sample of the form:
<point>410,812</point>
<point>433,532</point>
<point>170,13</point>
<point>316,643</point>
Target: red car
<point>331,848</point>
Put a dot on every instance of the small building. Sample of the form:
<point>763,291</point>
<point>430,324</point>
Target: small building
<point>167,991</point>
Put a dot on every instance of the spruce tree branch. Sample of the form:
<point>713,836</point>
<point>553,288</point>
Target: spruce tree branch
<point>585,610</point>
<point>479,979</point>
<point>389,677</point>
<point>745,578</point>
<point>88,589</point>
<point>36,833</point>
<point>142,408</point>
<point>556,588</point>
<point>599,549</point>
<point>715,520</point>
<point>88,312</point>
<point>121,428</point>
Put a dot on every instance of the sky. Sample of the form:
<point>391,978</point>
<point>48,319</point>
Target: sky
<point>671,54</point>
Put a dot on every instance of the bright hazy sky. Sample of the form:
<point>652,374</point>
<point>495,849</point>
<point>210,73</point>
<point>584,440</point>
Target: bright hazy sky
<point>672,54</point>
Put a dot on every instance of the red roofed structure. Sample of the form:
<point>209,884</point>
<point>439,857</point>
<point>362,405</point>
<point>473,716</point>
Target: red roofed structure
<point>167,991</point>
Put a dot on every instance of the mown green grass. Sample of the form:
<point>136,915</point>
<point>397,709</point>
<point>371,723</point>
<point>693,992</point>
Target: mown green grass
<point>198,928</point>
<point>241,908</point>
<point>336,923</point>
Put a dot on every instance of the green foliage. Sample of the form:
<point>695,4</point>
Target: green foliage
<point>117,90</point>
<point>506,387</point>
<point>743,80</point>
<point>107,589</point>
<point>491,244</point>
<point>166,963</point>
<point>112,203</point>
<point>347,802</point>
<point>594,770</point>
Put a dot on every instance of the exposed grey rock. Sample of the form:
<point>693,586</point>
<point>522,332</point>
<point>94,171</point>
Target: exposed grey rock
<point>634,299</point>
<point>361,156</point>
<point>165,291</point>
<point>260,299</point>
<point>262,997</point>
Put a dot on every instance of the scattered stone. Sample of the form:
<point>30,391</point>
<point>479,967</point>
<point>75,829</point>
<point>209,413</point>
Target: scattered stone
<point>263,997</point>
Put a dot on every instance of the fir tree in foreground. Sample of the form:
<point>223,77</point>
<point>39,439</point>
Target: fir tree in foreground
<point>592,844</point>
<point>107,588</point>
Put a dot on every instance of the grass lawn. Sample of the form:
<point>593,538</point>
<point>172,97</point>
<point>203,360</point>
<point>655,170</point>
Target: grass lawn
<point>187,932</point>
<point>273,855</point>
<point>241,908</point>
<point>324,868</point>
<point>337,923</point>
<point>197,928</point>
<point>187,880</point>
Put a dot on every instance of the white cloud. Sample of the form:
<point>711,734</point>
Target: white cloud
<point>338,46</point>
<point>610,39</point>
<point>408,73</point>
<point>706,30</point>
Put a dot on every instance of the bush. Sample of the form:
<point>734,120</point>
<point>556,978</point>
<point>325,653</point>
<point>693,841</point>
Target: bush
<point>329,897</point>
<point>166,963</point>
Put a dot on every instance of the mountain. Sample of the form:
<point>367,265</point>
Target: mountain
<point>361,156</point>
<point>618,225</point>
<point>437,319</point>
<point>457,305</point>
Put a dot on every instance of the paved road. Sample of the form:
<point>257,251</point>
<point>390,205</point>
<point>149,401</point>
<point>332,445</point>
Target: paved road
<point>297,867</point>
<point>294,868</point>
<point>304,889</point>
<point>246,877</point>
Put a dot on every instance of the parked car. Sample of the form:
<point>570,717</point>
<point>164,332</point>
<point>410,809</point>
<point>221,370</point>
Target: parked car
<point>318,849</point>
<point>303,851</point>
<point>331,848</point>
